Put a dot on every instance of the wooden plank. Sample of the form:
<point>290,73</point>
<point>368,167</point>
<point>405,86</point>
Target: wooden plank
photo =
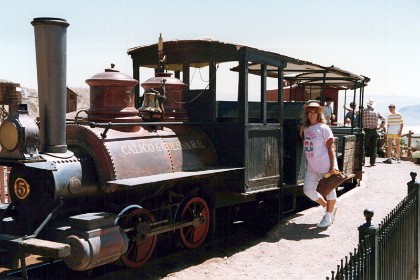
<point>35,246</point>
<point>46,248</point>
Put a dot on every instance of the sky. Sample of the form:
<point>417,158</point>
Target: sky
<point>379,39</point>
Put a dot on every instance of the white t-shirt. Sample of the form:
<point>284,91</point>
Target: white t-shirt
<point>316,151</point>
<point>328,112</point>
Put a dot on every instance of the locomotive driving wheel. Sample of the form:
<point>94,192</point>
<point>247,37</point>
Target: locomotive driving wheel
<point>197,210</point>
<point>140,246</point>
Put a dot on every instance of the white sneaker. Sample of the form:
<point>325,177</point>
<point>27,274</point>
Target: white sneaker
<point>326,221</point>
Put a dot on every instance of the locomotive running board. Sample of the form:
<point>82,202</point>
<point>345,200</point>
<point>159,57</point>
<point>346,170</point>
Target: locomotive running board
<point>124,184</point>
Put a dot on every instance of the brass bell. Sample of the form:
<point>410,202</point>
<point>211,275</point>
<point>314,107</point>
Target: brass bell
<point>151,109</point>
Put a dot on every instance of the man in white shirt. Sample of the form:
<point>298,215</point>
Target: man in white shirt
<point>328,111</point>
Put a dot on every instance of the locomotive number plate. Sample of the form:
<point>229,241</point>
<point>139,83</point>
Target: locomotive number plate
<point>22,188</point>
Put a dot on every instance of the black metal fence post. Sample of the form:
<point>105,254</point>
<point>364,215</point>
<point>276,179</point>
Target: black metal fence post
<point>415,186</point>
<point>370,232</point>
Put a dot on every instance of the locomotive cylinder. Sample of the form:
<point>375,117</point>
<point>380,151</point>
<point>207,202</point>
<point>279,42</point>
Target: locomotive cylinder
<point>94,241</point>
<point>50,42</point>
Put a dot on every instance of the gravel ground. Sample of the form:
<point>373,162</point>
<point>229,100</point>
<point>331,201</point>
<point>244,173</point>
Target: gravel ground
<point>296,249</point>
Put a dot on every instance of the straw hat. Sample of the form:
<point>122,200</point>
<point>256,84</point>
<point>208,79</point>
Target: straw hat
<point>313,104</point>
<point>370,102</point>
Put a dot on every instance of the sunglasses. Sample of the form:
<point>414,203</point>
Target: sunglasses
<point>391,107</point>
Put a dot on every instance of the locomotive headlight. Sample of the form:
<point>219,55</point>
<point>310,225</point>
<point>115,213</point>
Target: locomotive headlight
<point>9,136</point>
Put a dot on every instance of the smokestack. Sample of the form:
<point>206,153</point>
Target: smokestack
<point>50,44</point>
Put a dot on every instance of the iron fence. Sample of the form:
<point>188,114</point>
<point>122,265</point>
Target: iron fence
<point>389,250</point>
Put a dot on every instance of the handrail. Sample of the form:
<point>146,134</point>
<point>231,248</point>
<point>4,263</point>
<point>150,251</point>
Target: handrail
<point>410,137</point>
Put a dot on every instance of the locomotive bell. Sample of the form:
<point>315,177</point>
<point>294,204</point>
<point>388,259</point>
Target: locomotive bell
<point>112,98</point>
<point>173,108</point>
<point>151,109</point>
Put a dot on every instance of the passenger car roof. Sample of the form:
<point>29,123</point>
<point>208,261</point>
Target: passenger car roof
<point>200,51</point>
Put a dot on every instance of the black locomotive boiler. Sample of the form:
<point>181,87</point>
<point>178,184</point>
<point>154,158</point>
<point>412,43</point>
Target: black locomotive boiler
<point>103,188</point>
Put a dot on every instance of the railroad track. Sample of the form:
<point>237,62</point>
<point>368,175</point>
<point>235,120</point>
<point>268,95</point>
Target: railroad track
<point>167,258</point>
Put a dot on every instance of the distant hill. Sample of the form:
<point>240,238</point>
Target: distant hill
<point>32,99</point>
<point>411,114</point>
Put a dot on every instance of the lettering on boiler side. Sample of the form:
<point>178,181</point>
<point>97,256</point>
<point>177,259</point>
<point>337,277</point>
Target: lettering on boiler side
<point>159,147</point>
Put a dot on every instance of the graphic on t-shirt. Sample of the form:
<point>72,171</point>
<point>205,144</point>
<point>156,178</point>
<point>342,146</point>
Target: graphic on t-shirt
<point>309,147</point>
<point>315,148</point>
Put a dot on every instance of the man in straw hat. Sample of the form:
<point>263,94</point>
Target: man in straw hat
<point>370,125</point>
<point>318,144</point>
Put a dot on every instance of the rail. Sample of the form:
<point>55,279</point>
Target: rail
<point>389,250</point>
<point>408,148</point>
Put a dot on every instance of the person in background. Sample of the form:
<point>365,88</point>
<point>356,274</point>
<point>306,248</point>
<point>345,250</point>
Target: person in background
<point>370,125</point>
<point>395,126</point>
<point>328,111</point>
<point>318,145</point>
<point>347,122</point>
<point>352,116</point>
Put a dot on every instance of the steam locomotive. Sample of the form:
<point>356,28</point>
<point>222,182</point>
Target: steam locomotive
<point>103,188</point>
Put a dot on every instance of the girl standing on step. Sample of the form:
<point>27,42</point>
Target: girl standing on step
<point>318,144</point>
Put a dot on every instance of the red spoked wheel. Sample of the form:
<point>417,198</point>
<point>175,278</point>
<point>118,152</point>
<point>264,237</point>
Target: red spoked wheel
<point>194,235</point>
<point>140,248</point>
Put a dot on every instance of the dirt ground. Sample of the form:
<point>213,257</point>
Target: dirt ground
<point>296,249</point>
